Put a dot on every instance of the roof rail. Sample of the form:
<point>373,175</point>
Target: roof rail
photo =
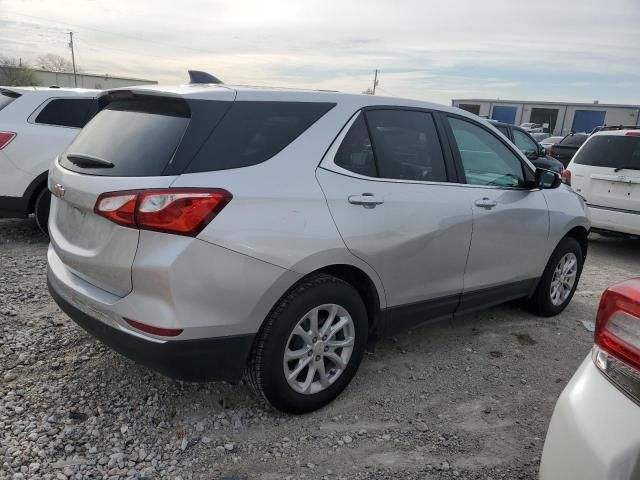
<point>615,127</point>
<point>196,77</point>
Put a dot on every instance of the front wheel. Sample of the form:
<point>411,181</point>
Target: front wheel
<point>559,280</point>
<point>310,346</point>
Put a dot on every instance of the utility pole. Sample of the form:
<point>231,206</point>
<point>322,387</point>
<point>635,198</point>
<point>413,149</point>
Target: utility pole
<point>73,59</point>
<point>375,81</point>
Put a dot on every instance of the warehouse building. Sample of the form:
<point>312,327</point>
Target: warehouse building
<point>559,118</point>
<point>82,80</point>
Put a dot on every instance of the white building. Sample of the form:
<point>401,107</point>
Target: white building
<point>85,80</point>
<point>562,117</point>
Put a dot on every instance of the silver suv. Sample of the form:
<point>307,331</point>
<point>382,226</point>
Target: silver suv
<point>209,231</point>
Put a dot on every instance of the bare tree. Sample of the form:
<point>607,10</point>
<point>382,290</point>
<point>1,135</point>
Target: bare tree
<point>15,73</point>
<point>54,63</point>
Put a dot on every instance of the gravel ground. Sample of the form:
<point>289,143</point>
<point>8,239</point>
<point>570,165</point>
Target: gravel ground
<point>469,399</point>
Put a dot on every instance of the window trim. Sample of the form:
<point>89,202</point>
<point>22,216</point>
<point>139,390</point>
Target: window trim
<point>529,174</point>
<point>32,117</point>
<point>327,162</point>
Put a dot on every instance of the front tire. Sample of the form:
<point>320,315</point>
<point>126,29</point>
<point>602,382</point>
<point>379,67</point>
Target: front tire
<point>559,280</point>
<point>310,345</point>
<point>41,210</point>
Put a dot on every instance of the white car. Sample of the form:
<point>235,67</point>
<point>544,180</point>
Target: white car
<point>36,124</point>
<point>594,433</point>
<point>532,127</point>
<point>550,141</point>
<point>606,171</point>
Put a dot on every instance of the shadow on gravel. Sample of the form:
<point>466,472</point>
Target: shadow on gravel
<point>21,231</point>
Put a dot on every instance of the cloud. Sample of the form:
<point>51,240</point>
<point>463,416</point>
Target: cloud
<point>425,49</point>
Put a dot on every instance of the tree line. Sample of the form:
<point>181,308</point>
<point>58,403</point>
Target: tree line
<point>14,72</point>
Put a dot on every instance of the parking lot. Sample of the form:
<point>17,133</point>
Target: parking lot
<point>470,399</point>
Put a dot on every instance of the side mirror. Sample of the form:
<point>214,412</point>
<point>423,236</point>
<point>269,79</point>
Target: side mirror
<point>546,179</point>
<point>541,151</point>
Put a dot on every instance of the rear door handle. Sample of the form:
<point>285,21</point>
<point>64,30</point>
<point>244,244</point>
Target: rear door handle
<point>368,200</point>
<point>486,202</point>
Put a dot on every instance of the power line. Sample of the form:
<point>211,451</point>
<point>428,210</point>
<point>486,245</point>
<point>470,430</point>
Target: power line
<point>131,37</point>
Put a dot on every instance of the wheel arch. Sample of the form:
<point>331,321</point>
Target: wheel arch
<point>580,234</point>
<point>35,187</point>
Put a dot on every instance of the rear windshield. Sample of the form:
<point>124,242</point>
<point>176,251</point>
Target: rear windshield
<point>573,140</point>
<point>253,132</point>
<point>137,136</point>
<point>611,151</point>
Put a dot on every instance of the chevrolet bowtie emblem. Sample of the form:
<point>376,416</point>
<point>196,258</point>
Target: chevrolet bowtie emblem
<point>58,190</point>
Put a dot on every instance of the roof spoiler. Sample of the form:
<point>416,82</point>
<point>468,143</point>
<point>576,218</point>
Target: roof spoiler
<point>196,76</point>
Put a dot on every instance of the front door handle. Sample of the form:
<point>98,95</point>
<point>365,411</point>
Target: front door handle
<point>367,200</point>
<point>486,202</point>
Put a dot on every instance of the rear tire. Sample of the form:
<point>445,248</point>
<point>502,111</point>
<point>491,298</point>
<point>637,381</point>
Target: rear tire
<point>41,210</point>
<point>559,280</point>
<point>288,343</point>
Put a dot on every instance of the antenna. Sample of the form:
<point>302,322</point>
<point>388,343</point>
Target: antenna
<point>196,76</point>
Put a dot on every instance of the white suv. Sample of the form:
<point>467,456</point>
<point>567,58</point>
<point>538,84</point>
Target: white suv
<point>606,171</point>
<point>36,124</point>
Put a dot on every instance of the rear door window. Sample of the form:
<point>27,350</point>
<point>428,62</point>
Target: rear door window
<point>137,136</point>
<point>613,151</point>
<point>406,145</point>
<point>253,132</point>
<point>356,153</point>
<point>67,112</point>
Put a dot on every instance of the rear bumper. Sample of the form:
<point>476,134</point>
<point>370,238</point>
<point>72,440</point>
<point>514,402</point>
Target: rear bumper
<point>594,433</point>
<point>615,220</point>
<point>204,359</point>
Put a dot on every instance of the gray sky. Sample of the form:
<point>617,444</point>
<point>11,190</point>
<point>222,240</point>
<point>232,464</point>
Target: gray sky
<point>573,50</point>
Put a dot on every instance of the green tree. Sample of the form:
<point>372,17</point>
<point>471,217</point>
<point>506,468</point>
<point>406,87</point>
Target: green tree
<point>14,73</point>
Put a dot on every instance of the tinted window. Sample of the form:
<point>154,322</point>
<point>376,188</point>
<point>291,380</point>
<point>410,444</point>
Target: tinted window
<point>485,159</point>
<point>67,112</point>
<point>253,132</point>
<point>573,140</point>
<point>406,145</point>
<point>611,151</point>
<point>355,153</point>
<point>138,137</point>
<point>525,144</point>
<point>470,107</point>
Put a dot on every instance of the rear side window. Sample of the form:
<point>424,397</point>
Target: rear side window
<point>137,136</point>
<point>611,151</point>
<point>398,144</point>
<point>67,112</point>
<point>573,140</point>
<point>253,132</point>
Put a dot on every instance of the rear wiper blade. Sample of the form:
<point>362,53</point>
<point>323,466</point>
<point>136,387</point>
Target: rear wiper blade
<point>627,167</point>
<point>88,161</point>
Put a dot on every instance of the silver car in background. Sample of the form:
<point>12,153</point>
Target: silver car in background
<point>209,231</point>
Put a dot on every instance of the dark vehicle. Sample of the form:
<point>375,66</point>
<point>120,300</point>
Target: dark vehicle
<point>527,145</point>
<point>566,148</point>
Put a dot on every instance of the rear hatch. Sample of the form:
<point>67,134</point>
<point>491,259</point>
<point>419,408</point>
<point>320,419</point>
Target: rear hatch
<point>607,171</point>
<point>138,140</point>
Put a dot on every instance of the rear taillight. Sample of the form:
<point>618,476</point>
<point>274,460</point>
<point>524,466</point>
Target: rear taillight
<point>5,138</point>
<point>632,134</point>
<point>617,336</point>
<point>550,150</point>
<point>181,211</point>
<point>566,176</point>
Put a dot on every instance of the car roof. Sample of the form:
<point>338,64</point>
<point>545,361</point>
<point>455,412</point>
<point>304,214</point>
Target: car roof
<point>618,133</point>
<point>52,91</point>
<point>258,93</point>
